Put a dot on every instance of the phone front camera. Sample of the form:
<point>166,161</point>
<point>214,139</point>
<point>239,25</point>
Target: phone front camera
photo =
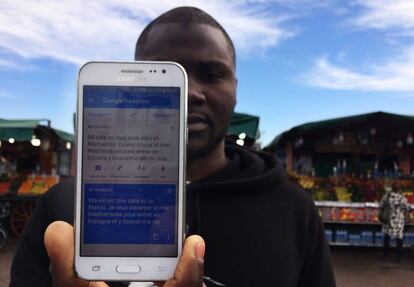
<point>164,71</point>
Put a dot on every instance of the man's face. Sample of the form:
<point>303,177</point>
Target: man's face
<point>204,53</point>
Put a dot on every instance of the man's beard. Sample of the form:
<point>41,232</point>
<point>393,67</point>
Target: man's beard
<point>208,148</point>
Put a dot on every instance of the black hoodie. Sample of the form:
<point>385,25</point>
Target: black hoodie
<point>260,229</point>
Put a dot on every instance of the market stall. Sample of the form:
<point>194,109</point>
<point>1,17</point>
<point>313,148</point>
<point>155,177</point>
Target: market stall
<point>244,130</point>
<point>33,158</point>
<point>344,164</point>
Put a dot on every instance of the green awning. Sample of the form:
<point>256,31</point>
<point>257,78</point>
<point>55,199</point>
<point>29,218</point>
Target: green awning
<point>65,136</point>
<point>23,130</point>
<point>244,123</point>
<point>18,134</point>
<point>20,123</point>
<point>20,130</point>
<point>337,124</point>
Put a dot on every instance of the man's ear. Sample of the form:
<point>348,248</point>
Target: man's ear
<point>235,100</point>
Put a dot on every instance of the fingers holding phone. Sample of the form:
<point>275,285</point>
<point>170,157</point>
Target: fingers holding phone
<point>190,268</point>
<point>60,246</point>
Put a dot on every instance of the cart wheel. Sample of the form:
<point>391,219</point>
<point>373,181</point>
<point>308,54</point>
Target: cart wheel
<point>20,215</point>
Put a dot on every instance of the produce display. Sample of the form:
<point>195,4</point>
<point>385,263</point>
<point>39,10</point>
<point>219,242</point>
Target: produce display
<point>352,223</point>
<point>35,185</point>
<point>5,183</point>
<point>4,187</point>
<point>352,189</point>
<point>352,200</point>
<point>353,212</point>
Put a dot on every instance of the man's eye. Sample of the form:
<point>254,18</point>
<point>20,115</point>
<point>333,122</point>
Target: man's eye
<point>212,76</point>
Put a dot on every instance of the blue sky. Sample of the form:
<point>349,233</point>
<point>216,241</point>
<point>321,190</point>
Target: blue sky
<point>298,60</point>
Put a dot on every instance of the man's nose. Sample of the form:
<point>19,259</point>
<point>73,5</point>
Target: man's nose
<point>196,95</point>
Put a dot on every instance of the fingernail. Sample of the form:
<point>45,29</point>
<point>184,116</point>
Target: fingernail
<point>200,251</point>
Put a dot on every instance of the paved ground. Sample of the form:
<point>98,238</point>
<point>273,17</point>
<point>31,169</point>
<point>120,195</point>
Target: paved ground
<point>354,267</point>
<point>365,267</point>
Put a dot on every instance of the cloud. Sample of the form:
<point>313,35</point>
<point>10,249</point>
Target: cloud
<point>395,18</point>
<point>6,64</point>
<point>394,75</point>
<point>385,14</point>
<point>75,31</point>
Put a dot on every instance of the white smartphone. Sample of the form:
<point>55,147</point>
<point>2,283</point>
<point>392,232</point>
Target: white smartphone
<point>131,143</point>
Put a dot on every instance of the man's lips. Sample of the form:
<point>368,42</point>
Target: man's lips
<point>196,123</point>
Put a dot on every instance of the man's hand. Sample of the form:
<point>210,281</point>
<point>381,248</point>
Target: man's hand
<point>60,246</point>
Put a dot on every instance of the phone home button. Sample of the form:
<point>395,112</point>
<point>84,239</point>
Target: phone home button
<point>128,268</point>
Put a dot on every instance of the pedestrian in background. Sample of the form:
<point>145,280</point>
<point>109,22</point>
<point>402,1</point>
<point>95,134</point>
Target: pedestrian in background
<point>394,226</point>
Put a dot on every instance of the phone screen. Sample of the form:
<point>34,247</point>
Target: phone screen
<point>130,171</point>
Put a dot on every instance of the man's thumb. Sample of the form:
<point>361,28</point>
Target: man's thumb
<point>59,243</point>
<point>190,267</point>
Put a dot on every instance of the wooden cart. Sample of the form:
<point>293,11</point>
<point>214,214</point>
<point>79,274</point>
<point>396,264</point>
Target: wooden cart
<point>19,209</point>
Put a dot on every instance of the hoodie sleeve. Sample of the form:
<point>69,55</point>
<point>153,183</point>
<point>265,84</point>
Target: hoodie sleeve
<point>317,269</point>
<point>30,265</point>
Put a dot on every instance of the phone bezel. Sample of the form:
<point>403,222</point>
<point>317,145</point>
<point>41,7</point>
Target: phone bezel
<point>106,73</point>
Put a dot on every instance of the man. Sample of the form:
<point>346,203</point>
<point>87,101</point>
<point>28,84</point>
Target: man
<point>259,229</point>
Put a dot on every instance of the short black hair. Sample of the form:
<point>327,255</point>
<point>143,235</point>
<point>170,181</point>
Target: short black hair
<point>184,15</point>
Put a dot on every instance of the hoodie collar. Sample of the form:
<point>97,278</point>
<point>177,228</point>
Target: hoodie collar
<point>247,169</point>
